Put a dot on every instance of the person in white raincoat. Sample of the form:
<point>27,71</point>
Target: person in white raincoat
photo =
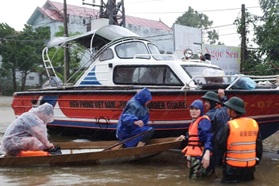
<point>29,131</point>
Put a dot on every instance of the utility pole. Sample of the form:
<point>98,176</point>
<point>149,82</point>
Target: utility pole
<point>243,40</point>
<point>66,50</point>
<point>111,10</point>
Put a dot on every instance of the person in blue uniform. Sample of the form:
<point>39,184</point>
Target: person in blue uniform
<point>217,112</point>
<point>134,120</point>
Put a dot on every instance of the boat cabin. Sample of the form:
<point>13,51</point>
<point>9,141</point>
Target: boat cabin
<point>121,58</point>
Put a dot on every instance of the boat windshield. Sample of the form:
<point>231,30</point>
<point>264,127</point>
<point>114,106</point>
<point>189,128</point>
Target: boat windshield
<point>204,74</point>
<point>130,49</point>
<point>137,49</point>
<point>156,54</point>
<point>153,49</point>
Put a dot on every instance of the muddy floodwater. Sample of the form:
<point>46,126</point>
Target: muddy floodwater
<point>166,169</point>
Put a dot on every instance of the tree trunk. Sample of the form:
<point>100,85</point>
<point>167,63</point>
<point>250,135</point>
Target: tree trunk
<point>23,81</point>
<point>14,79</point>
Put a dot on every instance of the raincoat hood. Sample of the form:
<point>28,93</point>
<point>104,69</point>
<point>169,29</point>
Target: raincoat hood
<point>198,104</point>
<point>143,96</point>
<point>44,112</point>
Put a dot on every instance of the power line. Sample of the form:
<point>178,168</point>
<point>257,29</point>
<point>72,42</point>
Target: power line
<point>200,11</point>
<point>159,35</point>
<point>217,26</point>
<point>228,34</point>
<point>22,40</point>
<point>149,1</point>
<point>228,9</point>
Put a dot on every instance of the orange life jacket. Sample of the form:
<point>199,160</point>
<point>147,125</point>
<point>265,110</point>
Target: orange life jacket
<point>241,143</point>
<point>194,146</point>
<point>33,153</point>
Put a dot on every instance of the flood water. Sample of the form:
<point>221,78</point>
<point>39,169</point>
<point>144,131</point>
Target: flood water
<point>166,169</point>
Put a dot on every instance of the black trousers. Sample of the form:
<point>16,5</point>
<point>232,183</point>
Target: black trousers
<point>237,174</point>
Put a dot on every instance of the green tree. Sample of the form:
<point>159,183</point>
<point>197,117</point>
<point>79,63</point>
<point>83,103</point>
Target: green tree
<point>32,43</point>
<point>267,34</point>
<point>21,51</point>
<point>193,18</point>
<point>7,45</point>
<point>266,31</point>
<point>251,58</point>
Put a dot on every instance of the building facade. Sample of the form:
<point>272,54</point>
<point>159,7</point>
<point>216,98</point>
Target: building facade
<point>81,19</point>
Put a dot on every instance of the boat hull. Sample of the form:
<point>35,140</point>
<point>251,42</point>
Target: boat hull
<point>99,109</point>
<point>92,158</point>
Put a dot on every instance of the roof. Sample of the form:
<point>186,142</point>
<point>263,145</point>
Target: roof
<point>52,14</point>
<point>54,10</point>
<point>147,23</point>
<point>74,10</point>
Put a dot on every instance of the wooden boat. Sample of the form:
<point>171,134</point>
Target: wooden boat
<point>90,153</point>
<point>121,64</point>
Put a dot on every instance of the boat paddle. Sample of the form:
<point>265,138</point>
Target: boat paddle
<point>125,140</point>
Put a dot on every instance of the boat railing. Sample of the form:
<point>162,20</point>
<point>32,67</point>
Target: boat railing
<point>47,63</point>
<point>53,79</point>
<point>258,81</point>
<point>265,78</point>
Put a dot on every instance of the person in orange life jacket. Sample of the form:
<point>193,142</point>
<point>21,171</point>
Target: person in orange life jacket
<point>134,120</point>
<point>241,140</point>
<point>199,144</point>
<point>218,116</point>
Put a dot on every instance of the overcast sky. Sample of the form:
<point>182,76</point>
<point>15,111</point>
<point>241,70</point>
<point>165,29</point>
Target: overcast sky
<point>221,12</point>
